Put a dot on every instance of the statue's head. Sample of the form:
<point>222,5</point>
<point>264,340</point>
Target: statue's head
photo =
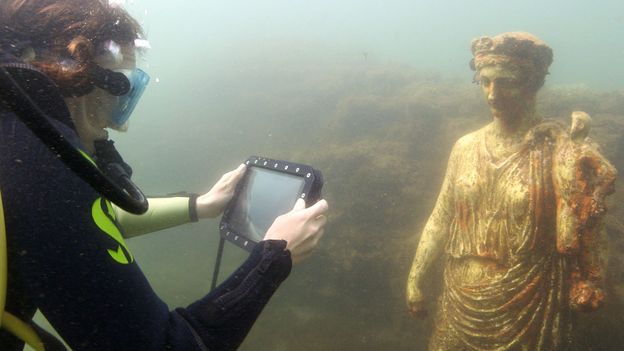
<point>518,51</point>
<point>510,68</point>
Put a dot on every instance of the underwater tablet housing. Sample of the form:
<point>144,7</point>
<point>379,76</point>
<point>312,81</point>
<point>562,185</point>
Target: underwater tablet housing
<point>268,189</point>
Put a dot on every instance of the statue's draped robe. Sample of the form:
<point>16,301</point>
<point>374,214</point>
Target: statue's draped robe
<point>505,283</point>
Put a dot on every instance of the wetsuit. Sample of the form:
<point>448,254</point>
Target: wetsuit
<point>67,258</point>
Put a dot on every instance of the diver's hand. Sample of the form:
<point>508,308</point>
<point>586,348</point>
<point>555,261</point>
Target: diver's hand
<point>416,303</point>
<point>301,228</point>
<point>212,203</point>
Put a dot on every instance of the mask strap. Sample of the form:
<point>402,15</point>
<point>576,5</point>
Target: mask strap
<point>116,83</point>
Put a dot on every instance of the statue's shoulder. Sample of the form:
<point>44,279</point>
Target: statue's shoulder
<point>470,140</point>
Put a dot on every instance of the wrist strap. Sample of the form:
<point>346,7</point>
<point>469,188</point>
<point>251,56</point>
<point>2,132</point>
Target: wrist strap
<point>193,207</point>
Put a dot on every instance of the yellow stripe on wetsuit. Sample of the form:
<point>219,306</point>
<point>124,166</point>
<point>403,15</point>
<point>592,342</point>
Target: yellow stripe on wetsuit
<point>104,217</point>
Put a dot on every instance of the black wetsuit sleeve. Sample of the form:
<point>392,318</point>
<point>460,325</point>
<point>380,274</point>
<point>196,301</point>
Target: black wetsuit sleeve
<point>223,318</point>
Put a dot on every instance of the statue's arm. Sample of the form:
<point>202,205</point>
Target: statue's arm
<point>429,249</point>
<point>432,241</point>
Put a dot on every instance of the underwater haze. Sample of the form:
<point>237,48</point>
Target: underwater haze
<point>374,94</point>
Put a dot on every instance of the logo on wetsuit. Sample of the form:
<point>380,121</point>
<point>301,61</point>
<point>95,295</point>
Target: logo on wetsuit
<point>104,217</point>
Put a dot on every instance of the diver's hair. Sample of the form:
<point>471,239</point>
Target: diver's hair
<point>520,50</point>
<point>62,31</point>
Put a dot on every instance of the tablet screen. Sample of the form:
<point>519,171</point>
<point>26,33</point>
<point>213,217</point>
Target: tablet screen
<point>264,195</point>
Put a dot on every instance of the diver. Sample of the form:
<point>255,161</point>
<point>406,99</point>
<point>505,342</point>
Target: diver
<point>65,241</point>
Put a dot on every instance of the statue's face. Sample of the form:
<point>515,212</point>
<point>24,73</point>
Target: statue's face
<point>505,90</point>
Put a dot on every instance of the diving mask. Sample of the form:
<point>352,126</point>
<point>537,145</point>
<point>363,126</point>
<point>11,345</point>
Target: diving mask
<point>126,103</point>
